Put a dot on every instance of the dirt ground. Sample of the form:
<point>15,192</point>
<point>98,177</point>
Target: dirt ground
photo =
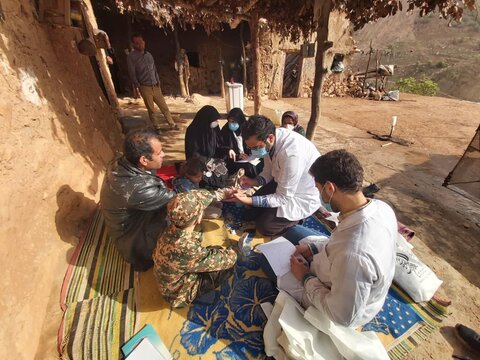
<point>447,225</point>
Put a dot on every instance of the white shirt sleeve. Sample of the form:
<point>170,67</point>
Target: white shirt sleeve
<point>287,181</point>
<point>352,278</point>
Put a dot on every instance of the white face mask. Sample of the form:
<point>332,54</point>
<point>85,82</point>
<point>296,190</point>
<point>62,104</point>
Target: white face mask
<point>289,127</point>
<point>214,124</point>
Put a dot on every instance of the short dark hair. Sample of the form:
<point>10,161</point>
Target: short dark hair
<point>138,143</point>
<point>339,167</point>
<point>258,125</point>
<point>135,35</point>
<point>194,166</point>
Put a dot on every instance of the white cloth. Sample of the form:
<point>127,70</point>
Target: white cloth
<point>292,333</point>
<point>296,197</point>
<point>239,140</point>
<point>354,270</point>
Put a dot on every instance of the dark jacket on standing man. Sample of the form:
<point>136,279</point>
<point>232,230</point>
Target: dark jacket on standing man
<point>134,205</point>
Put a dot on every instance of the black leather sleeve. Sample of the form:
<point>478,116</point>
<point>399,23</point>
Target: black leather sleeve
<point>150,197</point>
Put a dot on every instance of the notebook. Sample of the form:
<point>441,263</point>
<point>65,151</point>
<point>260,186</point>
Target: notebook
<point>145,351</point>
<point>138,345</point>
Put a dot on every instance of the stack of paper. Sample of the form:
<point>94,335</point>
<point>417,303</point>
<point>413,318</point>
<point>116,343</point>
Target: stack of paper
<point>278,253</point>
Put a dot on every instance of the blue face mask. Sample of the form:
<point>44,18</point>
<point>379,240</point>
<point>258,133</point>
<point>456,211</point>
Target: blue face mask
<point>327,206</point>
<point>259,153</point>
<point>233,126</point>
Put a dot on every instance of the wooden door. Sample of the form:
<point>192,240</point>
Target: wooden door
<point>291,74</point>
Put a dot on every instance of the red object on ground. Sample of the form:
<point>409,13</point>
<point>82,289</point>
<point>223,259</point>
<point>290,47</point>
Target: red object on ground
<point>167,173</point>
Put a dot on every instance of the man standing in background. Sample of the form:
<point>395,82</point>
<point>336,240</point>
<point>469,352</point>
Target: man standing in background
<point>144,76</point>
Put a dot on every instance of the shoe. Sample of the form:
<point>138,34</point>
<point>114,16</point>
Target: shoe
<point>469,336</point>
<point>370,190</point>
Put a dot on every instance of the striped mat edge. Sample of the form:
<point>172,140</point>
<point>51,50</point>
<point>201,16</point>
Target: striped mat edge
<point>432,314</point>
<point>95,255</point>
<point>95,329</point>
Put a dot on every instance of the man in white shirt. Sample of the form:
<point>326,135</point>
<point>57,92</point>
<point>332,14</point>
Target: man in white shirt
<point>288,192</point>
<point>348,276</point>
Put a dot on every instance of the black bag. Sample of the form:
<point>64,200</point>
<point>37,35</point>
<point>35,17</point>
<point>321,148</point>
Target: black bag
<point>216,175</point>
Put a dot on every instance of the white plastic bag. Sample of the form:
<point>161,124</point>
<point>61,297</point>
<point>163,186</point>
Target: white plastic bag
<point>412,275</point>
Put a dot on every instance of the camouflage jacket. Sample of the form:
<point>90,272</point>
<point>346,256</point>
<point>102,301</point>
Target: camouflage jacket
<point>179,257</point>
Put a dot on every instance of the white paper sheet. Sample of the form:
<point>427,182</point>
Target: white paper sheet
<point>278,253</point>
<point>251,160</point>
<point>145,351</point>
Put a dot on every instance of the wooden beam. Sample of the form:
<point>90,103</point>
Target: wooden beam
<point>246,9</point>
<point>323,9</point>
<point>220,63</point>
<point>255,33</point>
<point>244,65</point>
<point>102,62</point>
<point>368,64</point>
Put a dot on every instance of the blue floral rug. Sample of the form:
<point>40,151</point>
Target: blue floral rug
<point>236,317</point>
<point>229,325</point>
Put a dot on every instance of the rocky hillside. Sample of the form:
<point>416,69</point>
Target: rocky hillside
<point>427,47</point>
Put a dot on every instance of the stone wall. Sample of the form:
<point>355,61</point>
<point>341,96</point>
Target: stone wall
<point>274,50</point>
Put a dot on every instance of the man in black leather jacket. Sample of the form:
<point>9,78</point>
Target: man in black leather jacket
<point>134,200</point>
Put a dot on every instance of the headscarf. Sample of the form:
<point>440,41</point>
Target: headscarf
<point>238,116</point>
<point>291,114</point>
<point>200,138</point>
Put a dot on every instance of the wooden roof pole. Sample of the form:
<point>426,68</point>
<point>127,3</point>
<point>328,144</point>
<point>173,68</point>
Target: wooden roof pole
<point>220,64</point>
<point>244,62</point>
<point>322,15</point>
<point>255,34</point>
<point>101,60</point>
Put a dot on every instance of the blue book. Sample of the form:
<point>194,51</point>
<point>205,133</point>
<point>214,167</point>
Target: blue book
<point>149,333</point>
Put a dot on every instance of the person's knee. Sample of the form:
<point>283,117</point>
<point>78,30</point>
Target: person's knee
<point>264,227</point>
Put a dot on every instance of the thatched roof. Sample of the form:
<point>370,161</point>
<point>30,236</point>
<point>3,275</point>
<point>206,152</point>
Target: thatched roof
<point>212,14</point>
<point>290,18</point>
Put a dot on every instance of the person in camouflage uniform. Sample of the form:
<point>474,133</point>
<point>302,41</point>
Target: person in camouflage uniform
<point>183,268</point>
